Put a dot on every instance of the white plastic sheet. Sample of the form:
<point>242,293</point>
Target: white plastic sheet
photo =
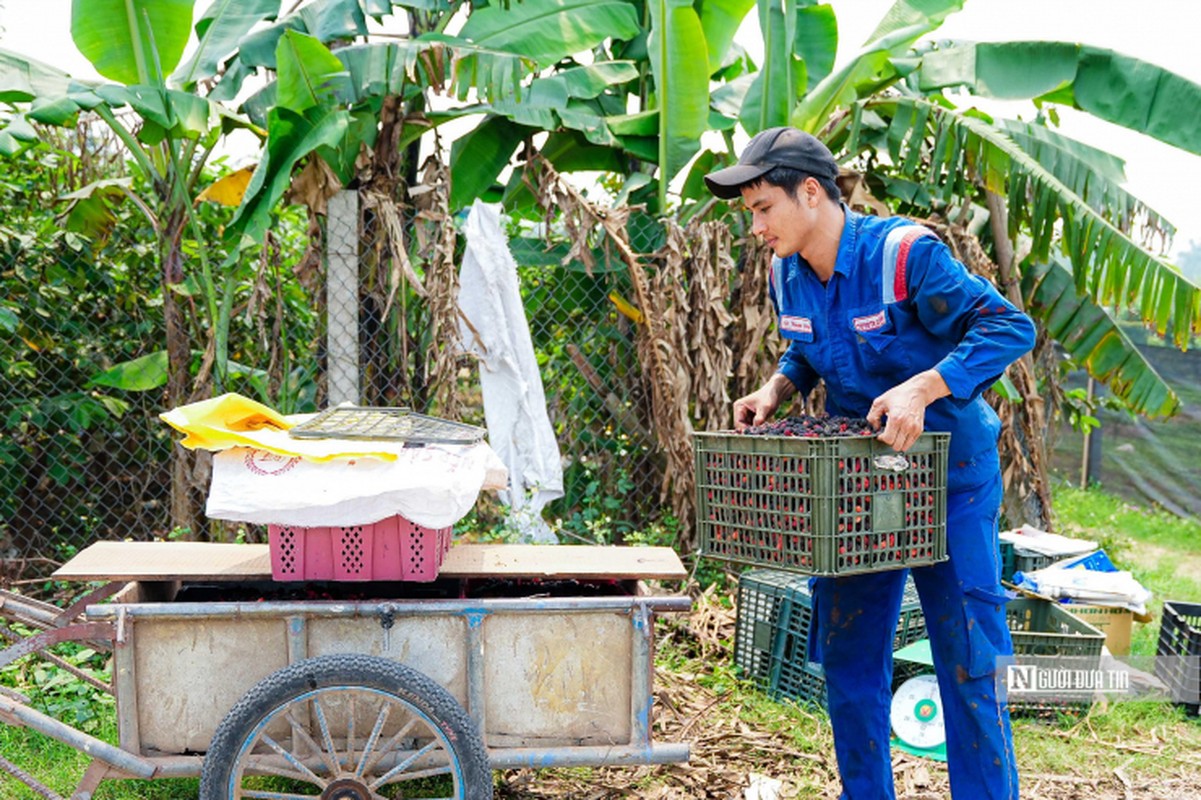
<point>1120,589</point>
<point>434,486</point>
<point>514,400</point>
<point>1033,540</point>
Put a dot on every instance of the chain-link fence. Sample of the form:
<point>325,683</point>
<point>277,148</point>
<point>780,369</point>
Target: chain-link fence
<point>354,304</point>
<point>86,363</point>
<point>643,329</point>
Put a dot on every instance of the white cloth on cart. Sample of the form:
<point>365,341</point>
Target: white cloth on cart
<point>434,485</point>
<point>514,400</point>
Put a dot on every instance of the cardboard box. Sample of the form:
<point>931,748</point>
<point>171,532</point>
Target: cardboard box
<point>1115,623</point>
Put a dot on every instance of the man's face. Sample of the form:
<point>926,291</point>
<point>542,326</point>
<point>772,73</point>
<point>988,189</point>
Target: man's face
<point>781,220</point>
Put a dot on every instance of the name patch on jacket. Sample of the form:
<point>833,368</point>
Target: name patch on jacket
<point>797,324</point>
<point>872,322</point>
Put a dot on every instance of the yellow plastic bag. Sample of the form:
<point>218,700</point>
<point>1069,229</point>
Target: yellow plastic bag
<point>232,420</point>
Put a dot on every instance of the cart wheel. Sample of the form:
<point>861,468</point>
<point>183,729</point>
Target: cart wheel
<point>347,727</point>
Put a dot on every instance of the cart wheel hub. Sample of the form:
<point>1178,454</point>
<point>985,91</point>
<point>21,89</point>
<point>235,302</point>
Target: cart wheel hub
<point>346,789</point>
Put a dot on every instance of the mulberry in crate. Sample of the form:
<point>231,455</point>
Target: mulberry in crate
<point>813,427</point>
<point>820,504</point>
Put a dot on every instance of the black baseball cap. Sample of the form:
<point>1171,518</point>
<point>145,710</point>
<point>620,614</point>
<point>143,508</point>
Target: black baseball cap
<point>774,147</point>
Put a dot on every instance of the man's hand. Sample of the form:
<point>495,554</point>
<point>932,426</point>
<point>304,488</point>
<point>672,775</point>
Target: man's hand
<point>904,405</point>
<point>758,406</point>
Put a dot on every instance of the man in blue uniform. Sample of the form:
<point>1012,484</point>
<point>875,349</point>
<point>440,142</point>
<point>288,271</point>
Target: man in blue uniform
<point>904,335</point>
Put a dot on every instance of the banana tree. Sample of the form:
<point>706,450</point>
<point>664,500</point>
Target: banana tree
<point>885,110</point>
<point>1061,197</point>
<point>1082,238</point>
<point>168,135</point>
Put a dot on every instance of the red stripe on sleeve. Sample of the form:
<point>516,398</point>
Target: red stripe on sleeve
<point>899,288</point>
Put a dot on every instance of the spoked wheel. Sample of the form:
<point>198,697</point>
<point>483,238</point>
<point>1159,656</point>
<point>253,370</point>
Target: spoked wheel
<point>347,727</point>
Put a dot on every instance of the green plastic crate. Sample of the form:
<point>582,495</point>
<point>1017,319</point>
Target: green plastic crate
<point>823,505</point>
<point>1045,628</point>
<point>1015,559</point>
<point>801,683</point>
<point>771,636</point>
<point>765,600</point>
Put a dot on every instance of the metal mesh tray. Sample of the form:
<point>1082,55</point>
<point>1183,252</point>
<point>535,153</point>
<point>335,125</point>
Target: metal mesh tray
<point>390,424</point>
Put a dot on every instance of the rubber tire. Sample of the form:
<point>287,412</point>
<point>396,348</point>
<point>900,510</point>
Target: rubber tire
<point>349,670</point>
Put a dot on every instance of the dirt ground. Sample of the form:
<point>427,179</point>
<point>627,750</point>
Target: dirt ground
<point>730,743</point>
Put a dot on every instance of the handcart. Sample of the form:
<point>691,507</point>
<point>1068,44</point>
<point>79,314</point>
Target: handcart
<point>517,656</point>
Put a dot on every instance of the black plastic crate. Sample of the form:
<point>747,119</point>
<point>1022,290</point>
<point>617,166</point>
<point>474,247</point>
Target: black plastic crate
<point>821,505</point>
<point>1180,643</point>
<point>771,638</point>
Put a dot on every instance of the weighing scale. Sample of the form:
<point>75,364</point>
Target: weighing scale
<point>916,713</point>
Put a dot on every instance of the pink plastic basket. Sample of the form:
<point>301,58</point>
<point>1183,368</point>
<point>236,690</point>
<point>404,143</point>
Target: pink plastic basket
<point>393,549</point>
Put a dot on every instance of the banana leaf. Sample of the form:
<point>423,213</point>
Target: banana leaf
<point>324,20</point>
<point>132,41</point>
<point>307,72</point>
<point>1116,88</point>
<point>1107,265</point>
<point>877,66</point>
<point>907,13</point>
<point>676,44</point>
<point>218,32</point>
<point>549,30</point>
<point>720,20</point>
<point>816,42</point>
<point>1094,175</point>
<point>773,93</point>
<point>478,158</point>
<point>1094,339</point>
<point>291,137</point>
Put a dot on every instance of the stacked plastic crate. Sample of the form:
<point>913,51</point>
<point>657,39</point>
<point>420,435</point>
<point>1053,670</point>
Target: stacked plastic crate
<point>771,638</point>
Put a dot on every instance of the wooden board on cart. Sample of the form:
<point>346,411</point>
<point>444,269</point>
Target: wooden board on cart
<point>194,561</point>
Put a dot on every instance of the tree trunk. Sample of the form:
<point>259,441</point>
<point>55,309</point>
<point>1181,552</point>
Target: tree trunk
<point>1032,413</point>
<point>185,512</point>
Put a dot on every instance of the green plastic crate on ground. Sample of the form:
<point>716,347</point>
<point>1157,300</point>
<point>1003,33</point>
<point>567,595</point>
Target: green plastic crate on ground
<point>771,637</point>
<point>1180,641</point>
<point>1044,628</point>
<point>1015,559</point>
<point>800,683</point>
<point>823,505</point>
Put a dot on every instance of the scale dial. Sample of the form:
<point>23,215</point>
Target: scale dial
<point>917,713</point>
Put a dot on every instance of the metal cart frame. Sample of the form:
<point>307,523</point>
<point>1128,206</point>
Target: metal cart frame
<point>542,678</point>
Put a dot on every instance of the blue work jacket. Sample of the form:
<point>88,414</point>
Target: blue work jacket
<point>898,304</point>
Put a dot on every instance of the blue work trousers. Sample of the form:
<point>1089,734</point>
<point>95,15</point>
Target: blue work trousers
<point>964,606</point>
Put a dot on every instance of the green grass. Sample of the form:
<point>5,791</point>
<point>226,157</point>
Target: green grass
<point>61,767</point>
<point>1161,550</point>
